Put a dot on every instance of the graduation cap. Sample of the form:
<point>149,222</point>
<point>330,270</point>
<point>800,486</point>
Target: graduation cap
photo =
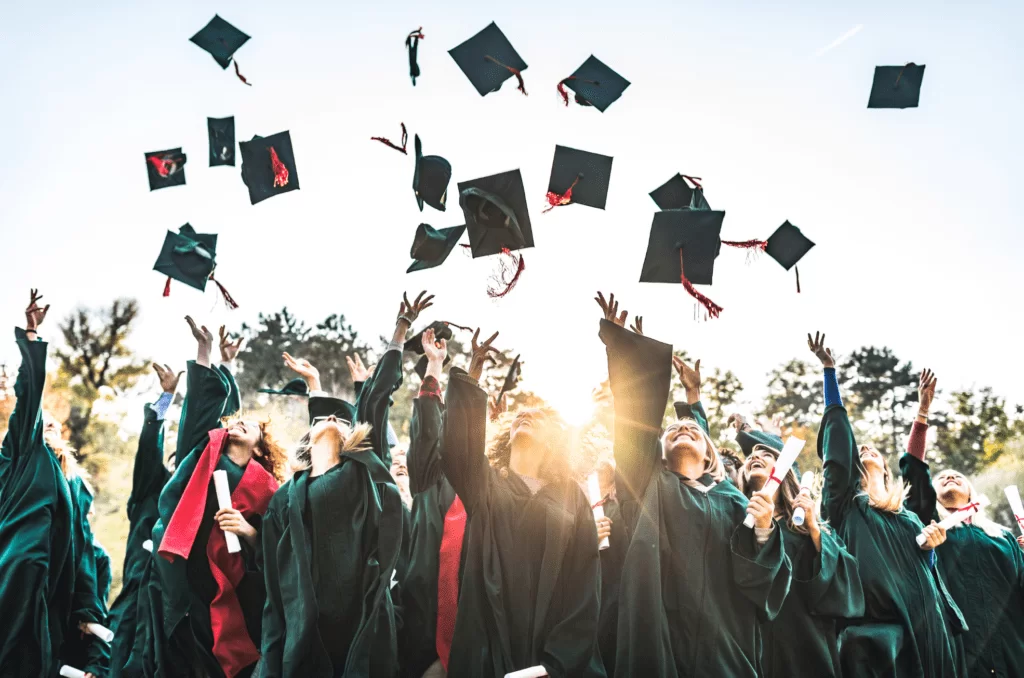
<point>594,84</point>
<point>442,330</point>
<point>896,86</point>
<point>677,194</point>
<point>430,179</point>
<point>498,222</point>
<point>190,258</point>
<point>578,177</point>
<point>430,246</point>
<point>295,387</point>
<point>787,245</point>
<point>512,378</point>
<point>488,60</point>
<point>682,248</point>
<point>391,144</point>
<point>747,440</point>
<point>412,43</point>
<point>222,141</point>
<point>268,166</point>
<point>325,406</point>
<point>221,40</point>
<point>165,168</point>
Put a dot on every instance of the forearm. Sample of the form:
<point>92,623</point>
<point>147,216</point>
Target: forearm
<point>401,329</point>
<point>918,438</point>
<point>434,368</point>
<point>831,383</point>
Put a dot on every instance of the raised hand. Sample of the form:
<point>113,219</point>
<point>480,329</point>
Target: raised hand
<point>497,406</point>
<point>436,351</point>
<point>481,354</point>
<point>411,311</point>
<point>228,348</point>
<point>304,369</point>
<point>34,314</point>
<point>204,341</point>
<point>690,378</point>
<point>817,346</point>
<point>739,422</point>
<point>762,507</point>
<point>356,369</point>
<point>638,325</point>
<point>935,536</point>
<point>168,379</point>
<point>926,392</point>
<point>610,308</point>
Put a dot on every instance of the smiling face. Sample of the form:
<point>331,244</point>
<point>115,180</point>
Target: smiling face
<point>245,432</point>
<point>871,459</point>
<point>398,464</point>
<point>758,466</point>
<point>328,428</point>
<point>51,427</point>
<point>684,438</point>
<point>953,489</point>
<point>530,426</point>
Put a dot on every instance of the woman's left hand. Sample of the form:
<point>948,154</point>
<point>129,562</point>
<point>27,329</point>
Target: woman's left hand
<point>231,520</point>
<point>762,507</point>
<point>228,348</point>
<point>604,528</point>
<point>935,536</point>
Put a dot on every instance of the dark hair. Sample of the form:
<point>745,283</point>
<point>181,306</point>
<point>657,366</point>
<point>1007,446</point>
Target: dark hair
<point>556,467</point>
<point>787,494</point>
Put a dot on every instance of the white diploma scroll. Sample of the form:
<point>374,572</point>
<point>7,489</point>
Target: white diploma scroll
<point>220,482</point>
<point>532,672</point>
<point>790,451</point>
<point>594,494</point>
<point>148,545</point>
<point>805,482</point>
<point>101,632</point>
<point>71,672</point>
<point>956,517</point>
<point>1013,496</point>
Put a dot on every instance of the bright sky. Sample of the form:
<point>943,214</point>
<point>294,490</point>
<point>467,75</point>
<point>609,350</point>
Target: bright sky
<point>911,210</point>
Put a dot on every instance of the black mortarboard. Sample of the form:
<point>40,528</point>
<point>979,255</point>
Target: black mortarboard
<point>324,406</point>
<point>415,344</point>
<point>220,39</point>
<point>676,194</point>
<point>188,257</point>
<point>594,84</point>
<point>511,379</point>
<point>579,177</point>
<point>684,242</point>
<point>787,245</point>
<point>896,86</point>
<point>488,60</point>
<point>430,178</point>
<point>295,387</point>
<point>165,168</point>
<point>412,44</point>
<point>430,246</point>
<point>268,166</point>
<point>222,140</point>
<point>496,213</point>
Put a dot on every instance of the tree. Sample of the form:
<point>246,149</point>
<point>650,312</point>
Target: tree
<point>883,389</point>
<point>719,391</point>
<point>96,357</point>
<point>975,434</point>
<point>795,392</point>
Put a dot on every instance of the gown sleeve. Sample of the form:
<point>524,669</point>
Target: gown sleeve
<point>149,474</point>
<point>914,469</point>
<point>830,580</point>
<point>206,398</point>
<point>837,448</point>
<point>233,403</point>
<point>273,608</point>
<point>25,426</point>
<point>374,403</point>
<point>86,603</point>
<point>761,573</point>
<point>464,437</point>
<point>424,457</point>
<point>695,412</point>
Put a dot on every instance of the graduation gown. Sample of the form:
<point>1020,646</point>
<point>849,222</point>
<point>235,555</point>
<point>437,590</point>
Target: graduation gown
<point>706,583</point>
<point>330,549</point>
<point>530,590</point>
<point>37,566</point>
<point>905,630</point>
<point>148,478</point>
<point>985,576</point>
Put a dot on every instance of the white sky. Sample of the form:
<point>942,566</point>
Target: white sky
<point>919,239</point>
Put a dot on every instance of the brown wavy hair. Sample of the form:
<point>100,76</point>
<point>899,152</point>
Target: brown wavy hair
<point>786,496</point>
<point>272,455</point>
<point>557,466</point>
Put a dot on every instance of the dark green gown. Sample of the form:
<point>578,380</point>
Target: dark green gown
<point>985,576</point>
<point>104,577</point>
<point>906,627</point>
<point>37,560</point>
<point>530,590</point>
<point>330,548</point>
<point>148,478</point>
<point>705,584</point>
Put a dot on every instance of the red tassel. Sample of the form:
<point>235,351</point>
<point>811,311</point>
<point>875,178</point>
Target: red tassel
<point>165,165</point>
<point>240,76</point>
<point>564,94</point>
<point>693,180</point>
<point>515,261</point>
<point>227,296</point>
<point>388,142</point>
<point>280,171</point>
<point>513,71</point>
<point>713,309</point>
<point>167,287</point>
<point>418,34</point>
<point>797,269</point>
<point>747,244</point>
<point>556,200</point>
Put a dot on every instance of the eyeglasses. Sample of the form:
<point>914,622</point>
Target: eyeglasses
<point>320,420</point>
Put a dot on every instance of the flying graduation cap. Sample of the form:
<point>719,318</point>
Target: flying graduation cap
<point>165,168</point>
<point>488,60</point>
<point>682,248</point>
<point>677,194</point>
<point>594,84</point>
<point>896,86</point>
<point>190,258</point>
<point>431,246</point>
<point>295,387</point>
<point>430,178</point>
<point>787,245</point>
<point>268,166</point>
<point>414,345</point>
<point>412,44</point>
<point>578,177</point>
<point>498,222</point>
<point>221,40</point>
<point>222,141</point>
<point>512,378</point>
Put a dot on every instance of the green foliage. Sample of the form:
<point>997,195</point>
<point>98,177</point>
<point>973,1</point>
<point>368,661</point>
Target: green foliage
<point>795,392</point>
<point>883,389</point>
<point>975,433</point>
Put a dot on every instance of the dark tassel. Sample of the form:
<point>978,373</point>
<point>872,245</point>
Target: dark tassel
<point>797,269</point>
<point>556,200</point>
<point>565,95</point>
<point>240,76</point>
<point>513,71</point>
<point>713,310</point>
<point>458,327</point>
<point>280,171</point>
<point>515,261</point>
<point>411,44</point>
<point>898,77</point>
<point>227,296</point>
<point>167,287</point>
<point>388,142</point>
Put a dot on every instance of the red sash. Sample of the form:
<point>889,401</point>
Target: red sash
<point>448,578</point>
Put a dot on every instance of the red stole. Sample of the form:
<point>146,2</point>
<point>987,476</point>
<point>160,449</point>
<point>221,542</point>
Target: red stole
<point>448,578</point>
<point>232,646</point>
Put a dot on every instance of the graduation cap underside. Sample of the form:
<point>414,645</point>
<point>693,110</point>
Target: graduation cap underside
<point>222,140</point>
<point>677,194</point>
<point>430,178</point>
<point>578,177</point>
<point>496,213</point>
<point>595,84</point>
<point>165,168</point>
<point>896,86</point>
<point>268,166</point>
<point>442,330</point>
<point>431,246</point>
<point>488,60</point>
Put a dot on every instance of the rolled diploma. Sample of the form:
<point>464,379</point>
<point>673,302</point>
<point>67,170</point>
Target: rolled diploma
<point>594,490</point>
<point>532,672</point>
<point>101,632</point>
<point>71,672</point>
<point>148,545</point>
<point>790,451</point>
<point>220,482</point>
<point>956,517</point>
<point>1013,496</point>
<point>805,482</point>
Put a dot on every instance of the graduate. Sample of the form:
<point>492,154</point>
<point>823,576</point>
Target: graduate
<point>909,619</point>
<point>695,581</point>
<point>333,534</point>
<point>530,589</point>
<point>212,600</point>
<point>980,561</point>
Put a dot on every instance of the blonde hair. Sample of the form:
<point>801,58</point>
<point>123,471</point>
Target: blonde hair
<point>355,438</point>
<point>988,526</point>
<point>556,467</point>
<point>62,451</point>
<point>896,491</point>
<point>712,462</point>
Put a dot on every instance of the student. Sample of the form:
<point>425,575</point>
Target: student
<point>980,561</point>
<point>908,616</point>
<point>695,580</point>
<point>333,534</point>
<point>212,600</point>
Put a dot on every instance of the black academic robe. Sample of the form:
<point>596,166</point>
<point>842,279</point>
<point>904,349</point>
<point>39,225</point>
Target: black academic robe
<point>149,476</point>
<point>905,630</point>
<point>37,565</point>
<point>530,590</point>
<point>985,576</point>
<point>706,582</point>
<point>330,549</point>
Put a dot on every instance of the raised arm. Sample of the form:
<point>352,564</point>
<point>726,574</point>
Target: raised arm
<point>692,408</point>
<point>836,444</point>
<point>25,427</point>
<point>86,605</point>
<point>424,455</point>
<point>229,348</point>
<point>206,396</point>
<point>913,467</point>
<point>149,474</point>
